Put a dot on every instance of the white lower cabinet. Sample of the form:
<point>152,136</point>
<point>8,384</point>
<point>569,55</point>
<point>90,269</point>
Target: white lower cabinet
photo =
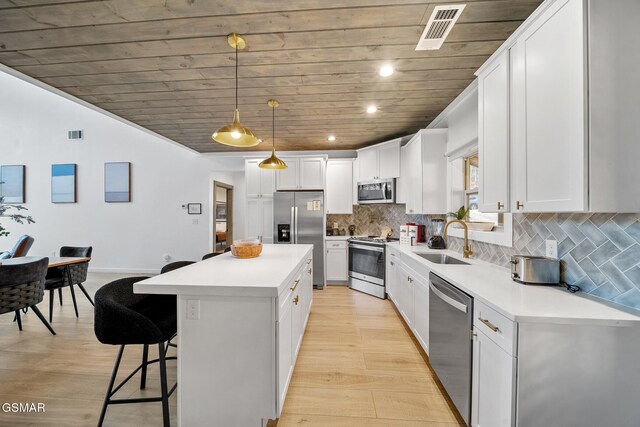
<point>405,295</point>
<point>294,307</point>
<point>493,384</point>
<point>285,359</point>
<point>421,311</point>
<point>337,260</point>
<point>494,369</point>
<point>260,218</point>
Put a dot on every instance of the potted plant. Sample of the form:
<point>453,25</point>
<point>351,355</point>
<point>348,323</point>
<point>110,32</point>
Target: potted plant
<point>462,215</point>
<point>19,218</point>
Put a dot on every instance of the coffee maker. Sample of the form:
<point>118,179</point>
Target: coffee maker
<point>436,241</point>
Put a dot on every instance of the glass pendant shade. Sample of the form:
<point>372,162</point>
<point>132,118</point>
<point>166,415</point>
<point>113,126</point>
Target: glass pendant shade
<point>273,162</point>
<point>235,134</point>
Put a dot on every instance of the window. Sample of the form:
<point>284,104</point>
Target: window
<point>471,176</point>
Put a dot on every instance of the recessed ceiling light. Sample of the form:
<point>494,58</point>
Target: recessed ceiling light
<point>331,138</point>
<point>386,70</point>
<point>372,109</point>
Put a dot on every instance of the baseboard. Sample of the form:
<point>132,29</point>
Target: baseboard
<point>124,270</point>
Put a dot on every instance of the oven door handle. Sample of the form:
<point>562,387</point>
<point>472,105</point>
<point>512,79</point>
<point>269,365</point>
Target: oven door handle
<point>366,248</point>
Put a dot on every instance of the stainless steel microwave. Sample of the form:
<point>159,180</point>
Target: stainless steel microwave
<point>378,191</point>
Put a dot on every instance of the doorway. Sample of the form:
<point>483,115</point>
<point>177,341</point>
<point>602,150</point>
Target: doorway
<point>222,216</point>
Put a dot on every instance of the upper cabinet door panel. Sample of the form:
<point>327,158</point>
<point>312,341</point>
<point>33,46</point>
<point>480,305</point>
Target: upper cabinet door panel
<point>287,179</point>
<point>368,163</point>
<point>493,136</point>
<point>338,192</point>
<point>267,182</point>
<point>252,173</point>
<point>550,111</point>
<point>389,161</point>
<point>312,174</point>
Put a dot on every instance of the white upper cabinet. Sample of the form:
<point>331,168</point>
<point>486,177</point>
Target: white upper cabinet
<point>550,112</point>
<point>339,187</point>
<point>312,173</point>
<point>368,164</point>
<point>381,161</point>
<point>260,182</point>
<point>260,218</point>
<point>303,174</point>
<point>288,179</point>
<point>412,174</point>
<point>493,135</point>
<point>424,171</point>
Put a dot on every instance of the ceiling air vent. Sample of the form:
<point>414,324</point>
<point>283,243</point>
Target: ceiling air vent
<point>440,23</point>
<point>76,134</point>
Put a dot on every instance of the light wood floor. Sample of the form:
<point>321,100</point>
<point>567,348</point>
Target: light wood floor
<point>358,366</point>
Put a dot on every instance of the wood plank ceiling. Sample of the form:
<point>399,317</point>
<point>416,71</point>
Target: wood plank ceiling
<point>166,65</point>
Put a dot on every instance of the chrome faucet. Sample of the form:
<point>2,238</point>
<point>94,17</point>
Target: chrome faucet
<point>467,249</point>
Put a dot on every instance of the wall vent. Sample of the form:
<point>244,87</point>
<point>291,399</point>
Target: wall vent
<point>440,23</point>
<point>76,134</point>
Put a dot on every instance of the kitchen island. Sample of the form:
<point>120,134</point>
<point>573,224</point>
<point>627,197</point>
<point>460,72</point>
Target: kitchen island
<point>240,325</point>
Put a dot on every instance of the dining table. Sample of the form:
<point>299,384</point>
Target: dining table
<point>54,262</point>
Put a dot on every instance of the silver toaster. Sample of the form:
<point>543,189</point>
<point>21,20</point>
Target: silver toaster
<point>535,270</point>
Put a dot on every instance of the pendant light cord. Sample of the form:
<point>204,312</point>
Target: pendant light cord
<point>273,128</point>
<point>236,74</point>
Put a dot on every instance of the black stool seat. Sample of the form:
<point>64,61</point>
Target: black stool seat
<point>175,265</point>
<point>124,318</point>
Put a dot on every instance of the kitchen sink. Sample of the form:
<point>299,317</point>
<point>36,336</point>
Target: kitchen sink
<point>442,259</point>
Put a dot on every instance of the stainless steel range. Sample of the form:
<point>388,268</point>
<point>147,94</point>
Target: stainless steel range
<point>367,265</point>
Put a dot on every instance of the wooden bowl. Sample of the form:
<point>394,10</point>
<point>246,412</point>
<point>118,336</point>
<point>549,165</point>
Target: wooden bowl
<point>241,250</point>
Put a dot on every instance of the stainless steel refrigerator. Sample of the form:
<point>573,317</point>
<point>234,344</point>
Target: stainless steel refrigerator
<point>298,218</point>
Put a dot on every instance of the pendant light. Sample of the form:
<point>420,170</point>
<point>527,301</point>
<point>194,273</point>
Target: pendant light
<point>235,134</point>
<point>273,162</point>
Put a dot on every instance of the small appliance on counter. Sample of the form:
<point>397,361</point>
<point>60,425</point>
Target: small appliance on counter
<point>412,234</point>
<point>436,241</point>
<point>535,270</point>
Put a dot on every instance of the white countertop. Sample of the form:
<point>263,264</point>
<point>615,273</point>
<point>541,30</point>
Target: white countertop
<point>266,275</point>
<point>336,237</point>
<point>492,285</point>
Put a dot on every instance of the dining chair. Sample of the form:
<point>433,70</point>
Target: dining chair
<point>57,278</point>
<point>22,286</point>
<point>155,321</point>
<point>20,249</point>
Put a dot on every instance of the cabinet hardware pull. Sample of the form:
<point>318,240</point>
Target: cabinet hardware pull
<point>519,205</point>
<point>296,299</point>
<point>500,205</point>
<point>295,286</point>
<point>309,271</point>
<point>392,263</point>
<point>489,324</point>
<point>309,261</point>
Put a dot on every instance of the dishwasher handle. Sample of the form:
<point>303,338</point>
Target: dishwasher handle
<point>452,302</point>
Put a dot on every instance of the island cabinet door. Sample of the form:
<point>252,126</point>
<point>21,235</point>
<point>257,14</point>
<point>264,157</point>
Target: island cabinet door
<point>307,294</point>
<point>285,360</point>
<point>297,320</point>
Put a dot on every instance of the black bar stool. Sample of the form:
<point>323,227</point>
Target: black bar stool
<point>124,318</point>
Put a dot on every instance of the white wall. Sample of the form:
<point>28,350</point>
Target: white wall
<point>131,237</point>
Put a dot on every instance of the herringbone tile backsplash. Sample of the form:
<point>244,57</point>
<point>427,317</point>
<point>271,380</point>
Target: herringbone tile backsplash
<point>599,252</point>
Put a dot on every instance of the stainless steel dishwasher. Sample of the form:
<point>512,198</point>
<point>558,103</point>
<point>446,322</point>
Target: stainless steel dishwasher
<point>450,344</point>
